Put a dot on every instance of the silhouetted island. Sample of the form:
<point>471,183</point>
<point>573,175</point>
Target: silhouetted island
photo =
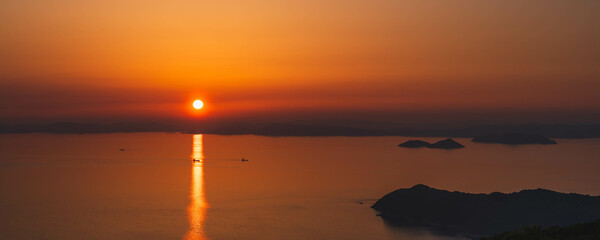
<point>448,143</point>
<point>514,139</point>
<point>317,128</point>
<point>477,215</point>
<point>414,144</point>
<point>443,144</point>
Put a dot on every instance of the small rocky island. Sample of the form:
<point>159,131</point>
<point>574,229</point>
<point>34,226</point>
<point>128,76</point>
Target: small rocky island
<point>479,215</point>
<point>514,139</point>
<point>443,144</point>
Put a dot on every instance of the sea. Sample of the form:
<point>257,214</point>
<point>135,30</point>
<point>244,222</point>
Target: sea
<point>185,186</point>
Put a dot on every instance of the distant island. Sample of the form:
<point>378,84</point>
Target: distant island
<point>479,215</point>
<point>414,144</point>
<point>302,129</point>
<point>514,139</point>
<point>443,144</point>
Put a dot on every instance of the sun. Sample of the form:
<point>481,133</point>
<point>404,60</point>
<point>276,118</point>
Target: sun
<point>198,104</point>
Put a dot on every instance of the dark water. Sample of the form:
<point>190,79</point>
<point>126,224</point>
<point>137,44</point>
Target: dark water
<point>83,187</point>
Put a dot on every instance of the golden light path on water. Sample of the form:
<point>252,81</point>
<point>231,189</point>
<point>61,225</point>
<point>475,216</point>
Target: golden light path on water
<point>197,208</point>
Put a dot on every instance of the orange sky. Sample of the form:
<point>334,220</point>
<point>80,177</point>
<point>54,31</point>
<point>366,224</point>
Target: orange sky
<point>69,59</point>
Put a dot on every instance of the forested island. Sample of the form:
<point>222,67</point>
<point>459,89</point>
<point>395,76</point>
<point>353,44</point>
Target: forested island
<point>481,215</point>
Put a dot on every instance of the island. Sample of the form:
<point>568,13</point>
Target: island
<point>443,144</point>
<point>514,139</point>
<point>481,215</point>
<point>414,144</point>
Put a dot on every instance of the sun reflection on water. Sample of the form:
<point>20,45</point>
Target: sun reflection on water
<point>197,207</point>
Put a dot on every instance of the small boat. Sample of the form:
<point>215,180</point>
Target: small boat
<point>195,160</point>
<point>122,149</point>
<point>244,160</point>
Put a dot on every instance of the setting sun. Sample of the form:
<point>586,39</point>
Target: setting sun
<point>198,104</point>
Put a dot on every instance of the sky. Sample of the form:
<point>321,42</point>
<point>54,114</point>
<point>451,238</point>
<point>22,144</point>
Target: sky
<point>412,61</point>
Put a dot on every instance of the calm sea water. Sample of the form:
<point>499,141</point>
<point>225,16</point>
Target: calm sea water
<point>83,187</point>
